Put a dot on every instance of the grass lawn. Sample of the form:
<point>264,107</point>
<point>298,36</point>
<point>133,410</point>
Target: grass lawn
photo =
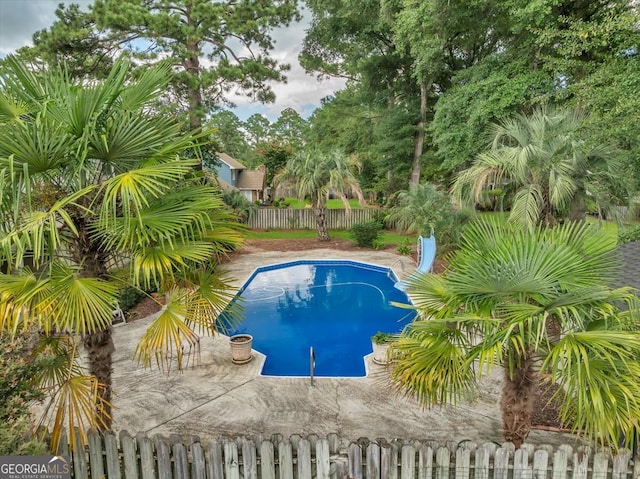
<point>609,228</point>
<point>395,238</point>
<point>387,237</point>
<point>334,204</point>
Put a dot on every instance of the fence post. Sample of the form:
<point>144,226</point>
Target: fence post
<point>355,461</point>
<point>249,460</point>
<point>129,453</point>
<point>214,461</point>
<point>408,464</point>
<point>501,463</point>
<point>267,464</point>
<point>80,470</point>
<point>163,456</point>
<point>560,464</point>
<point>285,457</point>
<point>482,463</point>
<point>323,466</point>
<point>112,455</point>
<point>180,461</point>
<point>95,454</point>
<point>442,463</point>
<point>198,468</point>
<point>540,464</point>
<point>304,459</point>
<point>620,465</point>
<point>521,464</point>
<point>147,466</point>
<point>389,461</point>
<point>373,461</point>
<point>463,463</point>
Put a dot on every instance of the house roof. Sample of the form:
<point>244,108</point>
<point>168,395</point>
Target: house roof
<point>629,254</point>
<point>251,180</point>
<point>224,185</point>
<point>232,162</point>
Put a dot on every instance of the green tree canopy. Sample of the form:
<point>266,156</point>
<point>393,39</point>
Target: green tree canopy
<point>545,160</point>
<point>217,48</point>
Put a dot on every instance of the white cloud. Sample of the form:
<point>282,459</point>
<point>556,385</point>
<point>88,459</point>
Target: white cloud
<point>20,19</point>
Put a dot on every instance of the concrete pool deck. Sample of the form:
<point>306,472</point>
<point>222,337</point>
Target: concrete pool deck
<point>217,398</point>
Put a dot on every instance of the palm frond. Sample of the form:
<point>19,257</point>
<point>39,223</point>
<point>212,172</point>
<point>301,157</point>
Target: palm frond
<point>164,338</point>
<point>431,364</point>
<point>528,204</point>
<point>73,396</point>
<point>584,365</point>
<point>131,191</point>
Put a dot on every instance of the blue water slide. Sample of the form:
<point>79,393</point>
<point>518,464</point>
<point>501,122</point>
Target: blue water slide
<point>427,255</point>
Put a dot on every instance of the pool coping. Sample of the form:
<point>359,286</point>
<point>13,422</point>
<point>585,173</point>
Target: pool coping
<point>270,267</point>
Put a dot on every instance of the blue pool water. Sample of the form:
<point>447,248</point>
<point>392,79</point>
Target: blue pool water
<point>333,306</point>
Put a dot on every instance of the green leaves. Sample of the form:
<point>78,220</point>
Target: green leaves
<point>546,161</point>
<point>93,186</point>
<point>512,296</point>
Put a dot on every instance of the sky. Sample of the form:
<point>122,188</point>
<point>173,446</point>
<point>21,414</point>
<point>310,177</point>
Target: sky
<point>19,19</point>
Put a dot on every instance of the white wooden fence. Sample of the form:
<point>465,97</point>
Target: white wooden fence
<point>313,457</point>
<point>278,218</point>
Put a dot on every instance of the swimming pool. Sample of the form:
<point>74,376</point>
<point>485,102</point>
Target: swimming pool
<point>334,306</point>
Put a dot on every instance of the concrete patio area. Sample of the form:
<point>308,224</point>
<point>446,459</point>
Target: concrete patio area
<point>217,398</point>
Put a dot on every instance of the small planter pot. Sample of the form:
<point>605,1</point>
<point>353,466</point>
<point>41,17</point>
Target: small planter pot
<point>241,348</point>
<point>380,353</point>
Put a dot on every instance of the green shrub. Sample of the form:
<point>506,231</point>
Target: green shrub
<point>129,297</point>
<point>628,234</point>
<point>18,388</point>
<point>240,205</point>
<point>380,216</point>
<point>276,203</point>
<point>366,234</point>
<point>405,247</point>
<point>382,338</point>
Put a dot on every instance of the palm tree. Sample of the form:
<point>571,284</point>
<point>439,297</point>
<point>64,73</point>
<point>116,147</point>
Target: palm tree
<point>317,174</point>
<point>96,195</point>
<point>532,302</point>
<point>425,208</point>
<point>551,168</point>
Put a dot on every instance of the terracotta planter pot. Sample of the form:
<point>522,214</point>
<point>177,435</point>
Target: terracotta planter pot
<point>241,348</point>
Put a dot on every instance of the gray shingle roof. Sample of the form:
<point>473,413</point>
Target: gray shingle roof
<point>232,162</point>
<point>629,254</point>
<point>251,180</point>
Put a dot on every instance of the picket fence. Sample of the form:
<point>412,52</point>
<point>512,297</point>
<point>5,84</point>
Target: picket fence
<point>312,457</point>
<point>276,218</point>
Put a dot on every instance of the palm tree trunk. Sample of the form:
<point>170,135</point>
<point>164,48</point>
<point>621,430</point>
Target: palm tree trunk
<point>320,211</point>
<point>518,394</point>
<point>98,344</point>
<point>100,348</point>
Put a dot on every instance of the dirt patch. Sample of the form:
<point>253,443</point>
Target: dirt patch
<point>304,244</point>
<point>145,307</point>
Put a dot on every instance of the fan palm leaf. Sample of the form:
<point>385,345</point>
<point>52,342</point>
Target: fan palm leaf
<point>543,157</point>
<point>92,176</point>
<point>529,300</point>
